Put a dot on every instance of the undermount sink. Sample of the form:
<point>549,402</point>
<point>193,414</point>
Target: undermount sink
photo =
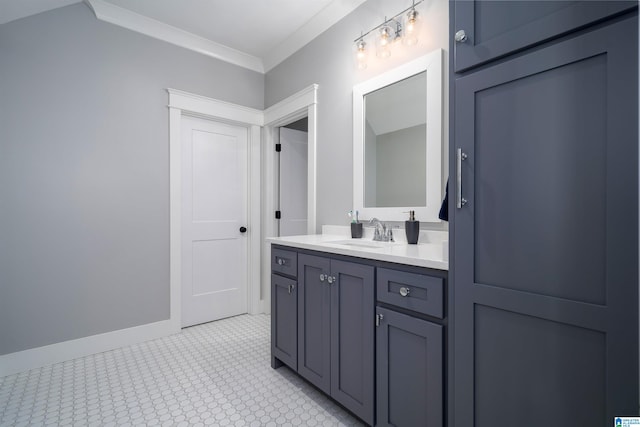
<point>364,243</point>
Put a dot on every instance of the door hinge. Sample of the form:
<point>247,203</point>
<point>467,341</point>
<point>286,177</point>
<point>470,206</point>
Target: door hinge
<point>379,318</point>
<point>278,148</point>
<point>278,214</point>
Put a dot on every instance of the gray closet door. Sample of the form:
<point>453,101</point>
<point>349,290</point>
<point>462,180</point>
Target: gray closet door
<point>409,371</point>
<point>496,28</point>
<point>284,315</point>
<point>546,248</point>
<point>352,342</point>
<point>314,310</point>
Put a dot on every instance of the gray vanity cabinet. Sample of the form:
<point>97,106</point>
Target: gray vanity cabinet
<point>409,348</point>
<point>544,290</point>
<point>284,308</point>
<point>496,28</point>
<point>335,332</point>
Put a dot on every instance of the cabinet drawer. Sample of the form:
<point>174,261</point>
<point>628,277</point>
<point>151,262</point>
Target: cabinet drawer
<point>284,262</point>
<point>416,292</point>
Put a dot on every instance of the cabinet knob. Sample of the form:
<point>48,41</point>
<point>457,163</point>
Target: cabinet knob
<point>280,261</point>
<point>404,291</point>
<point>331,279</point>
<point>461,36</point>
<point>322,277</point>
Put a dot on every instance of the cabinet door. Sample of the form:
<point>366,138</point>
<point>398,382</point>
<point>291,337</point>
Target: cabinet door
<point>314,325</point>
<point>546,248</point>
<point>284,320</point>
<point>496,28</point>
<point>409,371</point>
<point>352,343</point>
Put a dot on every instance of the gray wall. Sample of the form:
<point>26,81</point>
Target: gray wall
<point>329,60</point>
<point>84,172</point>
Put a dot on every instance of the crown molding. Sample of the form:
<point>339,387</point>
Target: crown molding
<point>125,18</point>
<point>321,22</point>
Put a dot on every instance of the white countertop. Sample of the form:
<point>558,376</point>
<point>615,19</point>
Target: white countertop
<point>429,254</point>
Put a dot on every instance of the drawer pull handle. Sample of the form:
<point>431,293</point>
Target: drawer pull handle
<point>404,291</point>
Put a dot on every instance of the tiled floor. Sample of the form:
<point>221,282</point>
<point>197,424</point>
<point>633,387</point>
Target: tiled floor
<point>218,373</point>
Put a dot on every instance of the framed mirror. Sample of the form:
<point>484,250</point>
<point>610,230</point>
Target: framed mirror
<point>397,142</point>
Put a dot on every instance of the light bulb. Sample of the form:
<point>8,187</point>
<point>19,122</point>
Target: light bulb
<point>361,54</point>
<point>411,28</point>
<point>384,40</point>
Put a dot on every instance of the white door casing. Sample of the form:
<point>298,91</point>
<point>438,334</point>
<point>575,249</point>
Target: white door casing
<point>214,250</point>
<point>293,182</point>
<point>301,104</point>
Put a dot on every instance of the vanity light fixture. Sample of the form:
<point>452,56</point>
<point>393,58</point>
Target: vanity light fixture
<point>390,31</point>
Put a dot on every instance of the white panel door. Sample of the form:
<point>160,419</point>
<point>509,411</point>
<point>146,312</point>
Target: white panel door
<point>214,198</point>
<point>293,182</point>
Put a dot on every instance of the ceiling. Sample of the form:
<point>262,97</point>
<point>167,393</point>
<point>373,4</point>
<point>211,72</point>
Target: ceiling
<point>256,34</point>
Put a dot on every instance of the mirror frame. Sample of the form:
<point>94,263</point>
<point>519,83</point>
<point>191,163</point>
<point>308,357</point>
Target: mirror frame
<point>432,64</point>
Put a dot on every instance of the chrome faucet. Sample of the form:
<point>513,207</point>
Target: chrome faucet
<point>382,233</point>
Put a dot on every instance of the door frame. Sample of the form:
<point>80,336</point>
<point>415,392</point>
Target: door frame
<point>299,105</point>
<point>187,104</point>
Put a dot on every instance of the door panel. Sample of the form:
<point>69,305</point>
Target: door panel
<point>495,28</point>
<point>409,371</point>
<point>214,252</point>
<point>352,317</point>
<point>547,133</point>
<point>293,182</point>
<point>284,315</point>
<point>546,249</point>
<point>314,312</point>
<point>524,364</point>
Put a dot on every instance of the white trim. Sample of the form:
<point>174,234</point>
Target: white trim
<point>175,219</point>
<point>181,103</point>
<point>321,22</point>
<point>299,105</point>
<point>55,353</point>
<point>278,114</point>
<point>125,18</point>
<point>202,105</point>
<point>255,219</point>
<point>432,63</point>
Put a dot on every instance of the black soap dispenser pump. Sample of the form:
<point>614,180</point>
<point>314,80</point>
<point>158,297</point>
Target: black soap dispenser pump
<point>412,228</point>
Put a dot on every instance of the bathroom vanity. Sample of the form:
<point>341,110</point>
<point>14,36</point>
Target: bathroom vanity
<point>363,321</point>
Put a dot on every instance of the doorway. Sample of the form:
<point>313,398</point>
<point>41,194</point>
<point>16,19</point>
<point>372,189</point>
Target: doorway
<point>292,169</point>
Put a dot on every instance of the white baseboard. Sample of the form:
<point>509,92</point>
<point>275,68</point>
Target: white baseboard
<point>20,361</point>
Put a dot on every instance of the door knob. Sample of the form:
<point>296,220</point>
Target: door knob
<point>243,229</point>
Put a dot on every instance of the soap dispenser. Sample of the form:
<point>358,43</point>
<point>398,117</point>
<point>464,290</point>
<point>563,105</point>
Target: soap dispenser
<point>412,228</point>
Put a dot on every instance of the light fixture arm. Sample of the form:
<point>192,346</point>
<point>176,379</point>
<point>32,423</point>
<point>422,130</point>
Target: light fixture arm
<point>387,21</point>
